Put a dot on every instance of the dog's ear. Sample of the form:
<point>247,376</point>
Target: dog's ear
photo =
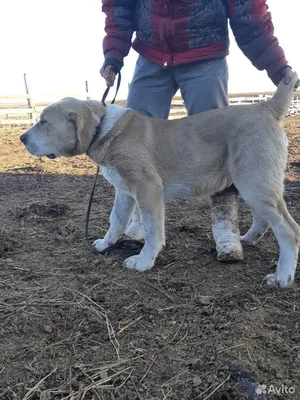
<point>85,124</point>
<point>96,107</point>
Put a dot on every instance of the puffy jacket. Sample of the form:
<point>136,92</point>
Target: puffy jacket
<point>172,32</point>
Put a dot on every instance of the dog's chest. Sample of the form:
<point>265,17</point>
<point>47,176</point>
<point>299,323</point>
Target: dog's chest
<point>113,177</point>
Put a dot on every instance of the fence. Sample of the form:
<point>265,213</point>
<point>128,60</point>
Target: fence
<point>11,114</point>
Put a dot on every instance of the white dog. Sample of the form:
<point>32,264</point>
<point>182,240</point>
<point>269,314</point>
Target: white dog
<point>150,160</point>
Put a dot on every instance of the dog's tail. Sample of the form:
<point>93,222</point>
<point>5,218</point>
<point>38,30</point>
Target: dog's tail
<point>283,96</point>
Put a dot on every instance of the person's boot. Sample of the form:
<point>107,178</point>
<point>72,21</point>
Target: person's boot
<point>225,227</point>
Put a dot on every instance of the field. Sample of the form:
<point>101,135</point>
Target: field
<point>76,325</point>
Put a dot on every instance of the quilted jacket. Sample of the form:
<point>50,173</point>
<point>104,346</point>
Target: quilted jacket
<point>171,32</point>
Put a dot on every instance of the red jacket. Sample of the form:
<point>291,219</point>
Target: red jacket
<point>172,32</point>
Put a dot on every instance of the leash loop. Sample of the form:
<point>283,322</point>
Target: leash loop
<point>107,91</point>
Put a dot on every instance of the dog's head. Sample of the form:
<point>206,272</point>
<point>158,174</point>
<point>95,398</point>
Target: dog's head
<point>65,128</point>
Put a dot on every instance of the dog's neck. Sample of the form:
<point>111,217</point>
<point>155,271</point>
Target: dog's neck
<point>97,134</point>
<point>106,124</point>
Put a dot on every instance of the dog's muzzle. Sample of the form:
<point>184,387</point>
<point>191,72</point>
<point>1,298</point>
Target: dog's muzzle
<point>24,138</point>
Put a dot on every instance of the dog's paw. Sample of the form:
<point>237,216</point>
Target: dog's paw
<point>246,239</point>
<point>272,280</point>
<point>139,263</point>
<point>250,239</point>
<point>100,245</point>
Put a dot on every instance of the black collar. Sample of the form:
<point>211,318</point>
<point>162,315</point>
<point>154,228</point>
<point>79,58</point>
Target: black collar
<point>96,135</point>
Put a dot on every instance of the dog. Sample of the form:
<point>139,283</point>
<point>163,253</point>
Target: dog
<point>151,160</point>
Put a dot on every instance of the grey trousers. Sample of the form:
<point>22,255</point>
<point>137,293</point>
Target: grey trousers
<point>203,86</point>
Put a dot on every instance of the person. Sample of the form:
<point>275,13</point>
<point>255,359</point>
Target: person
<point>183,45</point>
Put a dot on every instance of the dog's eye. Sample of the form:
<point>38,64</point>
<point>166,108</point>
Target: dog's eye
<point>43,121</point>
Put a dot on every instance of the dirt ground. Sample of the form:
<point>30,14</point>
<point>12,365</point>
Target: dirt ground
<point>76,325</point>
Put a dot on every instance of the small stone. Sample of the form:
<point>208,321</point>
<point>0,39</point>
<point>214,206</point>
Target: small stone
<point>40,168</point>
<point>98,298</point>
<point>197,381</point>
<point>48,328</point>
<point>204,300</point>
<point>104,374</point>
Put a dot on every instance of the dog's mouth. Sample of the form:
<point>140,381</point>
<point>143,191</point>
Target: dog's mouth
<point>51,156</point>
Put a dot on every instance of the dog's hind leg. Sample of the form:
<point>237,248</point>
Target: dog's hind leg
<point>134,230</point>
<point>273,209</point>
<point>225,227</point>
<point>258,229</point>
<point>287,233</point>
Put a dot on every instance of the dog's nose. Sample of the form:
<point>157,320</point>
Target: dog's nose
<point>23,138</point>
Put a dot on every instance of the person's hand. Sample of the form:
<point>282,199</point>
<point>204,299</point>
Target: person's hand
<point>287,76</point>
<point>109,75</point>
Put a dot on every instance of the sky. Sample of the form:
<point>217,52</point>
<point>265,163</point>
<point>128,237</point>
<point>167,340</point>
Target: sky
<point>58,43</point>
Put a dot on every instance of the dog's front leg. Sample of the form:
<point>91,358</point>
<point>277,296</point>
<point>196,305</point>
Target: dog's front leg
<point>150,201</point>
<point>119,218</point>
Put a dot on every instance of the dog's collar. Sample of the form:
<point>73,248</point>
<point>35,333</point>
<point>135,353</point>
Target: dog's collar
<point>96,134</point>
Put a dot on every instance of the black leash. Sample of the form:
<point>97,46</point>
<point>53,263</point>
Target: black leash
<point>87,218</point>
<point>125,246</point>
<point>107,91</point>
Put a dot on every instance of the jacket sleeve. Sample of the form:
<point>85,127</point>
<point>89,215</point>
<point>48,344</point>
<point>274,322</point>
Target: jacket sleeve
<point>253,29</point>
<point>119,27</point>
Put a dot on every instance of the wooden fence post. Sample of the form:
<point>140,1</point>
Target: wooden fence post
<point>87,90</point>
<point>30,103</point>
